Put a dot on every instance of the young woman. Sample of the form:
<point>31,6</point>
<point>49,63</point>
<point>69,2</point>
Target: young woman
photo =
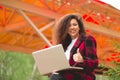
<point>80,49</point>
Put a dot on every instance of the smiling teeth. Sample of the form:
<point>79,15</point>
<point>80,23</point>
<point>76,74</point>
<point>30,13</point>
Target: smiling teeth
<point>73,31</point>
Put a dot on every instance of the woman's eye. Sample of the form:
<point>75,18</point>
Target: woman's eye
<point>74,24</point>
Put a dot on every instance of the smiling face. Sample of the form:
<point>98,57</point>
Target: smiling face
<point>73,29</point>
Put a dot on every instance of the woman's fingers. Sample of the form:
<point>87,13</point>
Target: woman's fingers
<point>77,57</point>
<point>78,51</point>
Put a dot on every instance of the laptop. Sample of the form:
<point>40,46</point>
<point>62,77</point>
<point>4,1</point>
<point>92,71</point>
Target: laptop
<point>52,58</point>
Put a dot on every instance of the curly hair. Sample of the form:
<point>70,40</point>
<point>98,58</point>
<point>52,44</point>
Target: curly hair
<point>60,35</point>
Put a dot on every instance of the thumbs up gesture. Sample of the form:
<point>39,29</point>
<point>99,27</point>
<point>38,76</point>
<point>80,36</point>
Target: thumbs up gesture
<point>77,57</point>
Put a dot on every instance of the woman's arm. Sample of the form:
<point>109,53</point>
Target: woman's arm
<point>90,58</point>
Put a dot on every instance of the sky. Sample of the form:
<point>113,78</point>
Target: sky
<point>114,3</point>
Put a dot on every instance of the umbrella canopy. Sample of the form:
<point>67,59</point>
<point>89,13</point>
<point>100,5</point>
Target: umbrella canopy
<point>26,25</point>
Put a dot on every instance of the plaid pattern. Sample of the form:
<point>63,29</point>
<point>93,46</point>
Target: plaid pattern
<point>87,48</point>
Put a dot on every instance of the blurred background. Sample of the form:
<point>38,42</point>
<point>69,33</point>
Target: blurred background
<point>26,26</point>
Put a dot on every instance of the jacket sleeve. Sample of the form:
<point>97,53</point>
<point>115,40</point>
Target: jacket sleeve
<point>90,56</point>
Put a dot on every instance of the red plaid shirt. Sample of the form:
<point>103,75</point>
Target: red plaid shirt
<point>87,48</point>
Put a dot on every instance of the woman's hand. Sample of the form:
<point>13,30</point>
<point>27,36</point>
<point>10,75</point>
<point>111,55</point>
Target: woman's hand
<point>77,57</point>
<point>55,72</point>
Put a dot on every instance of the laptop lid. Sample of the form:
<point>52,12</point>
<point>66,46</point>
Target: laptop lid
<point>49,59</point>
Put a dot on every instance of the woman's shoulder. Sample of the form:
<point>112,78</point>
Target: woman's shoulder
<point>90,38</point>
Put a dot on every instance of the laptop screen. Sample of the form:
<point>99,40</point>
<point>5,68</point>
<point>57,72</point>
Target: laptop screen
<point>51,58</point>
